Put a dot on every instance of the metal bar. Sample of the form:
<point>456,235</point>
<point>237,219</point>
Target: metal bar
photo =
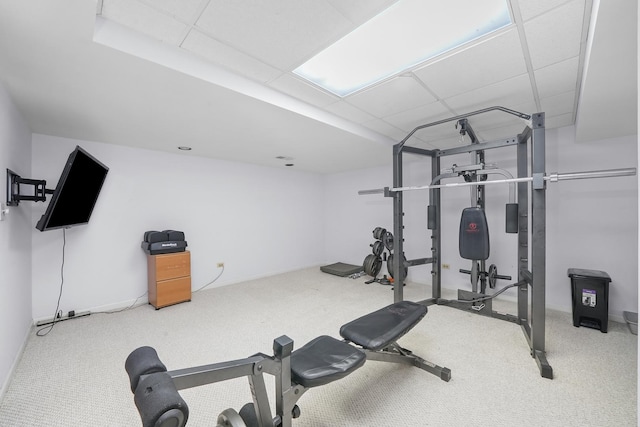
<point>538,244</point>
<point>463,116</point>
<point>216,372</point>
<point>477,147</point>
<point>436,235</point>
<point>554,177</point>
<point>415,150</point>
<point>398,226</point>
<point>605,173</point>
<point>417,261</point>
<point>523,229</point>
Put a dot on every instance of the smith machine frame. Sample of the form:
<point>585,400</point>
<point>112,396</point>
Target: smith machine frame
<point>530,149</point>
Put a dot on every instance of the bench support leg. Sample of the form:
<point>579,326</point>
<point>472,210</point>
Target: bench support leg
<point>396,354</point>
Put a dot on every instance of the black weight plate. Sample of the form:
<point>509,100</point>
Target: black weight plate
<point>377,248</point>
<point>379,232</point>
<point>493,272</point>
<point>388,240</point>
<point>391,262</point>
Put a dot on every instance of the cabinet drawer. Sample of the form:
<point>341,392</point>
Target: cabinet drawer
<point>173,291</point>
<point>170,266</point>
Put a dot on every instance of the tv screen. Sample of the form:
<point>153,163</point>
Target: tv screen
<point>76,193</point>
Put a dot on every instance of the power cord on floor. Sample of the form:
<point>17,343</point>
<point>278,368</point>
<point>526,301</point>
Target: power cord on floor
<point>48,328</point>
<point>133,305</point>
<point>216,278</point>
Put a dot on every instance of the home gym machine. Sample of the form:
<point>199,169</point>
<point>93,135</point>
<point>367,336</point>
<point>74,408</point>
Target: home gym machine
<point>526,217</point>
<point>319,362</point>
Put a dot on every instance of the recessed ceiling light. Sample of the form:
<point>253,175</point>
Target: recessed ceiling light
<point>402,37</point>
<point>184,148</point>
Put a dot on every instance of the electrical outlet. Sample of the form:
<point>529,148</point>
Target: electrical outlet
<point>220,265</point>
<point>446,266</point>
<point>4,210</point>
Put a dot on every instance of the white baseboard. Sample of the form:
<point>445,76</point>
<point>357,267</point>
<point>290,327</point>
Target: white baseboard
<point>14,365</point>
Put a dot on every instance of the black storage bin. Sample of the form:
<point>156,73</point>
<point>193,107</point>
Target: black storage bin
<point>590,298</point>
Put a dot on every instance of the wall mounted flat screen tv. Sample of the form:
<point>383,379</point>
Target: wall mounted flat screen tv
<point>76,193</point>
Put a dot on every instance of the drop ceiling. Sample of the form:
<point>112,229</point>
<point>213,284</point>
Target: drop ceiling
<point>216,75</point>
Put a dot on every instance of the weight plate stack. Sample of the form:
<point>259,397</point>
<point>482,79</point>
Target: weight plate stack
<point>372,265</point>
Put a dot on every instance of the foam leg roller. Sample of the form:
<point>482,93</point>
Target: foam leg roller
<point>142,361</point>
<point>159,403</point>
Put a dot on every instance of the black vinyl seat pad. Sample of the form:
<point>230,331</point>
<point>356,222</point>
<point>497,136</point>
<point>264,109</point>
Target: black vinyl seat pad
<point>323,360</point>
<point>377,330</point>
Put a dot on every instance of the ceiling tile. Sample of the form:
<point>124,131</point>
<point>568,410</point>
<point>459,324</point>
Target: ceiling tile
<point>185,10</point>
<point>385,128</point>
<point>144,19</point>
<point>560,120</point>
<point>502,132</point>
<point>222,54</point>
<point>555,36</point>
<point>495,59</point>
<point>282,34</point>
<point>559,104</point>
<point>410,119</point>
<point>390,97</point>
<point>557,78</point>
<point>360,11</point>
<point>294,86</point>
<point>514,91</point>
<point>349,112</point>
<point>532,8</point>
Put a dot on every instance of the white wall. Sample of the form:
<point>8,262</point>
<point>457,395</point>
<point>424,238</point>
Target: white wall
<point>259,221</point>
<point>591,224</point>
<point>15,241</point>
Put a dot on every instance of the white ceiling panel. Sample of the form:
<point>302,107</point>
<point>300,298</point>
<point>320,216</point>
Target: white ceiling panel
<point>385,128</point>
<point>282,33</point>
<point>494,59</point>
<point>503,132</point>
<point>532,8</point>
<point>294,86</point>
<point>147,89</point>
<point>514,91</point>
<point>410,119</point>
<point>222,54</point>
<point>557,78</point>
<point>556,35</point>
<point>559,121</point>
<point>144,19</point>
<point>360,11</point>
<point>393,96</point>
<point>185,10</point>
<point>558,104</point>
<point>349,112</point>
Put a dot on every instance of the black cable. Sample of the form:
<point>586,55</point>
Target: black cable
<point>55,316</point>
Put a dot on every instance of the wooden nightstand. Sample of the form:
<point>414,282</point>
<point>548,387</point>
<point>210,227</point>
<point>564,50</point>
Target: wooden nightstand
<point>169,278</point>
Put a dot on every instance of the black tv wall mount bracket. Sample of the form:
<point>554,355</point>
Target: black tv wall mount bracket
<point>14,181</point>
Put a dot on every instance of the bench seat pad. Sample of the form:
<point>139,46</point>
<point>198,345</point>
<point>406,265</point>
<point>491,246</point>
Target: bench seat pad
<point>375,331</point>
<point>323,360</point>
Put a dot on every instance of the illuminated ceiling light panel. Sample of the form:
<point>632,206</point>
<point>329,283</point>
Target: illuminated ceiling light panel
<point>403,36</point>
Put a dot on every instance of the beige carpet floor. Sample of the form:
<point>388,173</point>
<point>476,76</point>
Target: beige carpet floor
<point>75,375</point>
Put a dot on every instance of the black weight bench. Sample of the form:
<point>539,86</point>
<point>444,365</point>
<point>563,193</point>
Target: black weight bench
<point>322,360</point>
